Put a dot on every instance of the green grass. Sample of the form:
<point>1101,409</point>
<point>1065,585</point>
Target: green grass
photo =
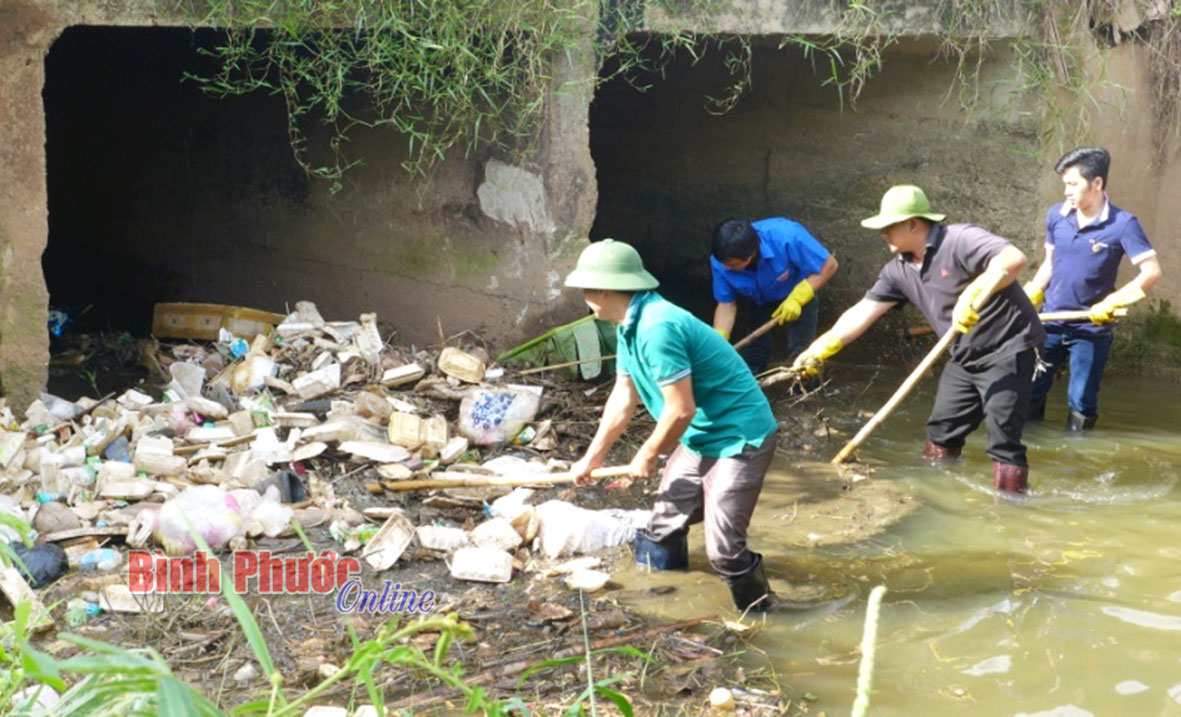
<point>106,679</point>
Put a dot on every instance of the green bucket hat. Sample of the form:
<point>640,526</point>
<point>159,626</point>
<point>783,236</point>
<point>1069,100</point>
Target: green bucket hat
<point>611,265</point>
<point>899,203</point>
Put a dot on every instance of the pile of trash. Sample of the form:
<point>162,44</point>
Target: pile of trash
<point>251,436</point>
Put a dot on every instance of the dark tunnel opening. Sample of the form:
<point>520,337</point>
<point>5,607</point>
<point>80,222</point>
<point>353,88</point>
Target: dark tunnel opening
<point>669,169</point>
<point>157,192</point>
<point>670,166</point>
<point>152,183</point>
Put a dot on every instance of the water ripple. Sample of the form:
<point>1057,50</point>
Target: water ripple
<point>1143,618</point>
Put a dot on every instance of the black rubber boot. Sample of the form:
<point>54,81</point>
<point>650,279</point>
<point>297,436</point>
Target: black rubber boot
<point>1037,410</point>
<point>671,554</point>
<point>750,589</point>
<point>1076,421</point>
<point>1010,478</point>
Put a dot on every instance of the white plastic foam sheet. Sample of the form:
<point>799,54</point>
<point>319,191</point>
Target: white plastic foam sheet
<point>512,505</point>
<point>384,549</point>
<point>438,537</point>
<point>324,379</point>
<point>486,565</point>
<point>371,450</point>
<point>514,466</point>
<point>187,378</point>
<point>588,580</point>
<point>567,529</point>
<point>496,533</point>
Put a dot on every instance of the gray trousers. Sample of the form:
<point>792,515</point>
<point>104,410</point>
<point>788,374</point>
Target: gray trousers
<point>722,492</point>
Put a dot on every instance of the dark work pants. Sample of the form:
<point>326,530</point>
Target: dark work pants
<point>1088,356</point>
<point>800,333</point>
<point>722,492</point>
<point>996,393</point>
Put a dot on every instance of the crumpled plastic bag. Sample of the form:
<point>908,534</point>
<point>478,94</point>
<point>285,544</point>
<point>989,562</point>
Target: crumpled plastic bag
<point>43,563</point>
<point>272,515</point>
<point>214,513</point>
<point>488,416</point>
<point>567,529</point>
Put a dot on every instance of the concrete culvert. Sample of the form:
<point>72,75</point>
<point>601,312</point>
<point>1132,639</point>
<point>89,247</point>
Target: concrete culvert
<point>158,191</point>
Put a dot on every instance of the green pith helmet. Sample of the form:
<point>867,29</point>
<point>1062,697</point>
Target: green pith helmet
<point>611,265</point>
<point>899,203</point>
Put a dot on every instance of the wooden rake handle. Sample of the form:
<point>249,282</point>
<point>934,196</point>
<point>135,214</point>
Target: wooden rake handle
<point>755,334</point>
<point>1048,316</point>
<point>902,392</point>
<point>465,480</point>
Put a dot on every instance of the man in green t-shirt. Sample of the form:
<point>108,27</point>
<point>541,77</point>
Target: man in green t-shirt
<point>702,395</point>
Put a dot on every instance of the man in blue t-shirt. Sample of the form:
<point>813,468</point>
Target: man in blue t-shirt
<point>1086,238</point>
<point>779,266</point>
<point>710,414</point>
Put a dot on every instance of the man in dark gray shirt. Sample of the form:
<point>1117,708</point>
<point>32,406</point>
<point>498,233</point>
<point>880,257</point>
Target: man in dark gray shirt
<point>958,276</point>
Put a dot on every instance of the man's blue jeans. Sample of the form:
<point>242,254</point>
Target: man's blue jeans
<point>1087,352</point>
<point>800,333</point>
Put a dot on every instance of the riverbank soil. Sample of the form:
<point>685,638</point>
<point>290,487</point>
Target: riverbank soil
<point>528,637</point>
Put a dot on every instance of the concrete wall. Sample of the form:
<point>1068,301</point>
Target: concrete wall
<point>1145,179</point>
<point>159,193</point>
<point>669,171</point>
<point>180,196</point>
<point>913,18</point>
<point>25,33</point>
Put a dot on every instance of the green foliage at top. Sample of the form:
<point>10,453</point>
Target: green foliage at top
<point>457,75</point>
<point>1057,54</point>
<point>447,74</point>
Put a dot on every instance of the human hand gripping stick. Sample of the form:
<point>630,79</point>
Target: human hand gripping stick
<point>964,316</point>
<point>1104,312</point>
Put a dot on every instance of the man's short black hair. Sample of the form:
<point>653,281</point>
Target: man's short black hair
<point>735,239</point>
<point>1091,162</point>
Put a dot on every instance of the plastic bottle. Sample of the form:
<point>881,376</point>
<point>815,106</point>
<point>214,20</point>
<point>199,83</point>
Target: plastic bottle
<point>100,559</point>
<point>79,611</point>
<point>118,450</point>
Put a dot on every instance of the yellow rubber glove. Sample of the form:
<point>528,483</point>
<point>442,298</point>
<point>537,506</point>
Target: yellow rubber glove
<point>808,363</point>
<point>1037,297</point>
<point>1104,311</point>
<point>791,307</point>
<point>725,334</point>
<point>964,316</point>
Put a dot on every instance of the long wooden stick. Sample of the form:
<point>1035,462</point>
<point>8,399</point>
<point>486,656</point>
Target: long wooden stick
<point>756,333</point>
<point>567,364</point>
<point>911,380</point>
<point>1048,316</point>
<point>902,392</point>
<point>470,481</point>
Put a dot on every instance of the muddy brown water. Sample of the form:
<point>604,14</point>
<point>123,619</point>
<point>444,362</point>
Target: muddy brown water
<point>1064,603</point>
